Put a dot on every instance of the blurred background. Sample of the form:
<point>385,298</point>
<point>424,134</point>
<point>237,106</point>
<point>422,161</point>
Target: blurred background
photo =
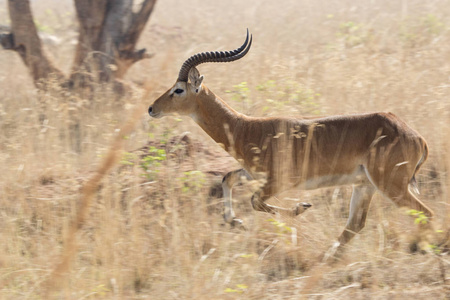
<point>155,226</point>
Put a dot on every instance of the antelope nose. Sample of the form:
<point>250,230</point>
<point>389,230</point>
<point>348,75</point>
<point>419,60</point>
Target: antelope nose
<point>150,110</point>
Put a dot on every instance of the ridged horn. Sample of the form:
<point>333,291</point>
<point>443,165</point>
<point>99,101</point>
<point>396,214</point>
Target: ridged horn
<point>215,56</point>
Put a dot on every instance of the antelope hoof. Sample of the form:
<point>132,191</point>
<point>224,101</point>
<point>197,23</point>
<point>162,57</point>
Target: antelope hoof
<point>237,223</point>
<point>422,247</point>
<point>333,253</point>
<point>301,208</point>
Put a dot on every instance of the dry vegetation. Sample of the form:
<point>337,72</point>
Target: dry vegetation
<point>154,230</point>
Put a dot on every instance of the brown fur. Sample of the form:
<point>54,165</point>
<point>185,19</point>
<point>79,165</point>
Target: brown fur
<point>373,151</point>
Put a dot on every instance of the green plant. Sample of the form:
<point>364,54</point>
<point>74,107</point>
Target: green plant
<point>192,180</point>
<point>289,92</point>
<point>128,158</point>
<point>435,249</point>
<point>281,227</point>
<point>100,290</point>
<point>151,162</point>
<point>420,217</point>
<point>249,255</point>
<point>353,34</point>
<point>418,31</point>
<point>240,288</point>
<point>241,92</point>
<point>43,28</point>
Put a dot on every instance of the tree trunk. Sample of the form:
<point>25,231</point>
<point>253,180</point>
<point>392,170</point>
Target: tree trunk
<point>109,32</point>
<point>25,40</point>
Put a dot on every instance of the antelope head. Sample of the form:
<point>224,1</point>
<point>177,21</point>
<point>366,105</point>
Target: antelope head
<point>180,98</point>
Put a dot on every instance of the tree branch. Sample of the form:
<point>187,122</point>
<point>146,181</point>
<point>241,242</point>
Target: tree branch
<point>135,55</point>
<point>7,41</point>
<point>133,33</point>
<point>25,40</point>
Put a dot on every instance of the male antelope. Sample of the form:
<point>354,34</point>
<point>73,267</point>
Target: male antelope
<point>373,151</point>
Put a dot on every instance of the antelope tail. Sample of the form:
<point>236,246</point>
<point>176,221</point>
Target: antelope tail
<point>413,182</point>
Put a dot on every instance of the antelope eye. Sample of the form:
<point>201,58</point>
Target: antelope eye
<point>178,91</point>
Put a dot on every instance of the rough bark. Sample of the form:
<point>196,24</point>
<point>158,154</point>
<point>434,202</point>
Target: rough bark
<point>109,32</point>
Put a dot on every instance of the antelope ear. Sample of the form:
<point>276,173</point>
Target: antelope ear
<point>196,79</point>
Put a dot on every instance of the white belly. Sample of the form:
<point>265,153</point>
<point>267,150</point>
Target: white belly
<point>357,176</point>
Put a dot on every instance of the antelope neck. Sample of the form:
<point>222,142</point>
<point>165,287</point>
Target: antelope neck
<point>216,118</point>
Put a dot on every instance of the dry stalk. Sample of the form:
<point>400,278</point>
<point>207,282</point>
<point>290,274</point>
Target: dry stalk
<point>87,193</point>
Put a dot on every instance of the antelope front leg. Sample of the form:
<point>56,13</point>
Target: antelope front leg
<point>228,182</point>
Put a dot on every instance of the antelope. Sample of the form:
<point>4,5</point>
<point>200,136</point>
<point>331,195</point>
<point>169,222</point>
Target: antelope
<point>371,151</point>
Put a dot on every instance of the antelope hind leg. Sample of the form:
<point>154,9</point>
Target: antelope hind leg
<point>258,203</point>
<point>359,207</point>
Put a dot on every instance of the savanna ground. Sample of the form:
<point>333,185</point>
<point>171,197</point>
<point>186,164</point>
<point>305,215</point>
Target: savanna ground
<point>154,231</point>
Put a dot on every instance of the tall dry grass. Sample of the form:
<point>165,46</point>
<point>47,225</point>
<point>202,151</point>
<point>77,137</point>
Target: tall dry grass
<point>155,232</point>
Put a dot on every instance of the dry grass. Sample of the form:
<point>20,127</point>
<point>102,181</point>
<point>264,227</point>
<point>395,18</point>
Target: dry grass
<point>161,235</point>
